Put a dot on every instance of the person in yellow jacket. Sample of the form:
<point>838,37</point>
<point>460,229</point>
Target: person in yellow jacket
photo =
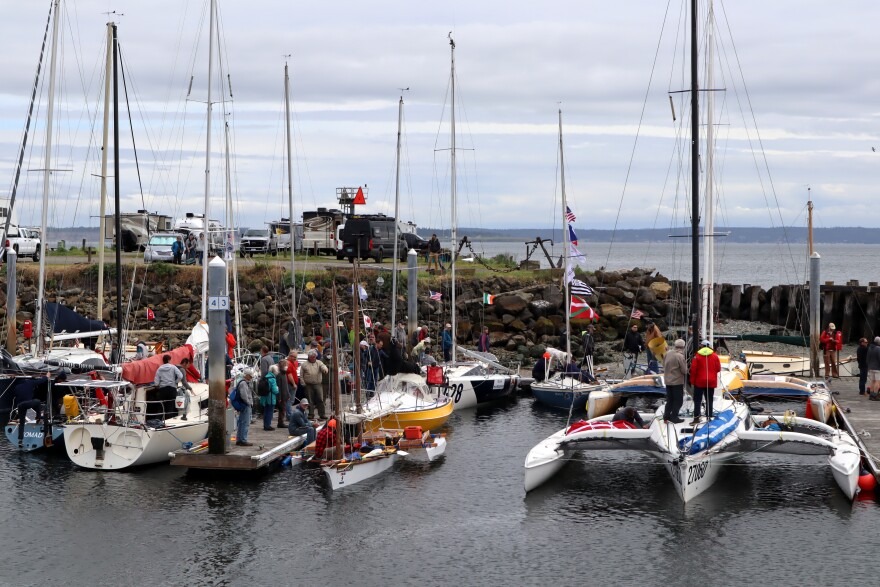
<point>656,345</point>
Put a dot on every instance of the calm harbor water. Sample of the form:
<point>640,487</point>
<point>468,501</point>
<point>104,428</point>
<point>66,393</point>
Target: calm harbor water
<point>614,520</point>
<point>764,264</point>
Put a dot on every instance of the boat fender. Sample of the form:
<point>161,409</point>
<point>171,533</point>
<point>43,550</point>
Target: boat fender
<point>285,462</point>
<point>867,481</point>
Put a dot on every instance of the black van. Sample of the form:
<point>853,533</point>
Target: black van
<point>371,236</point>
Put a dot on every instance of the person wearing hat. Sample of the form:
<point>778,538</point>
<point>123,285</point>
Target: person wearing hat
<point>588,343</point>
<point>299,422</point>
<point>312,374</point>
<point>140,350</point>
<point>343,334</point>
<point>245,393</point>
<point>704,377</point>
<point>325,441</point>
<point>831,341</point>
<point>446,343</point>
<point>418,352</point>
<point>674,374</point>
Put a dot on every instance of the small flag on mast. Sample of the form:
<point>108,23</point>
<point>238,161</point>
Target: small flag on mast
<point>488,299</point>
<point>637,314</point>
<point>368,323</point>
<point>581,309</point>
<point>569,214</point>
<point>572,237</point>
<point>150,314</point>
<point>580,288</point>
<point>435,295</point>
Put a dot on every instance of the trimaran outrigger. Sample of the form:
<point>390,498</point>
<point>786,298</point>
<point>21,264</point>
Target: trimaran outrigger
<point>695,455</point>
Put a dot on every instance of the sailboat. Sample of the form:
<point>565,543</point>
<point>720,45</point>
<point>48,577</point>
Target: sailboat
<point>480,379</point>
<point>695,455</point>
<point>564,390</point>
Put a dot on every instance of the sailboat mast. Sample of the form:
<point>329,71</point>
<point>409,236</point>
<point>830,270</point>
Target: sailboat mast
<point>104,151</point>
<point>396,223</point>
<point>208,163</point>
<point>565,241</point>
<point>695,184</point>
<point>230,230</point>
<point>47,174</point>
<point>708,302</point>
<point>454,200</point>
<point>290,194</point>
<point>119,321</point>
<point>355,345</point>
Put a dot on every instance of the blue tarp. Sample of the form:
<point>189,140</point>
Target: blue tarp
<point>709,435</point>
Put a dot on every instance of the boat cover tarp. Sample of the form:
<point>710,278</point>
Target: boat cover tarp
<point>63,319</point>
<point>198,338</point>
<point>144,371</point>
<point>709,435</point>
<point>582,425</point>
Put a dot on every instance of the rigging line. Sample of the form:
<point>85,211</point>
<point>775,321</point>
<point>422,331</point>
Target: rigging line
<point>638,131</point>
<point>27,124</point>
<point>131,128</point>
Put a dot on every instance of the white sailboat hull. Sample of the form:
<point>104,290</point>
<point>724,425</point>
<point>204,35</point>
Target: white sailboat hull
<point>108,447</point>
<point>544,461</point>
<point>695,474</point>
<point>357,471</point>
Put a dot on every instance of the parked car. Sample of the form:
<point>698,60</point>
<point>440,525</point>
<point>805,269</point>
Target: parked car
<point>414,241</point>
<point>25,242</point>
<point>159,248</point>
<point>372,237</point>
<point>258,241</point>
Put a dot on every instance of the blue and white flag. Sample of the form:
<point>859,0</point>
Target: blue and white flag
<point>576,254</point>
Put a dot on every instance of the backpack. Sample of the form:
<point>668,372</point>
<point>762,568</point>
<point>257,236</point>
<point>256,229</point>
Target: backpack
<point>235,400</point>
<point>263,387</point>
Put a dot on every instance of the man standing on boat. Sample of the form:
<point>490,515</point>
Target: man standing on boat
<point>446,341</point>
<point>862,360</point>
<point>674,374</point>
<point>166,380</point>
<point>704,377</point>
<point>831,341</point>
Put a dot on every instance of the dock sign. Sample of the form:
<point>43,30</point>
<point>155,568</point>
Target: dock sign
<point>218,302</point>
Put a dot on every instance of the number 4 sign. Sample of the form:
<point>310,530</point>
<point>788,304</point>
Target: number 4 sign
<point>218,303</point>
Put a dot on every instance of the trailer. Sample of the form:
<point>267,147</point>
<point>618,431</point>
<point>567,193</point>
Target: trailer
<point>135,228</point>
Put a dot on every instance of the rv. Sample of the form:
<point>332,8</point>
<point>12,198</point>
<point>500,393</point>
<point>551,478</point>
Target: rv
<point>136,228</point>
<point>281,229</point>
<point>319,230</point>
<point>216,234</point>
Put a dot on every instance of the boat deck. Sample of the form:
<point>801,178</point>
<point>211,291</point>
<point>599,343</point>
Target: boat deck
<point>861,415</point>
<point>268,447</point>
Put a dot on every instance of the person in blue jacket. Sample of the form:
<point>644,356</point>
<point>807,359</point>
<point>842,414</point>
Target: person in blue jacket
<point>270,400</point>
<point>447,343</point>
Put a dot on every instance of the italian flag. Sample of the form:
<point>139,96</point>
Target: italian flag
<point>488,299</point>
<point>581,309</point>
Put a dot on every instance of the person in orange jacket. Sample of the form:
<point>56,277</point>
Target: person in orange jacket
<point>230,344</point>
<point>704,377</point>
<point>831,341</point>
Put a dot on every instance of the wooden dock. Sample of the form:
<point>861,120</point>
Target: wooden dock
<point>862,416</point>
<point>268,447</point>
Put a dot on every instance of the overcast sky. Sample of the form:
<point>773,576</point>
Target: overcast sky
<point>809,66</point>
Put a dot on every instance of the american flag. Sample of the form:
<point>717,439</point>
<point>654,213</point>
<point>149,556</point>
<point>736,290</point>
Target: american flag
<point>637,314</point>
<point>580,288</point>
<point>569,214</point>
<point>435,295</point>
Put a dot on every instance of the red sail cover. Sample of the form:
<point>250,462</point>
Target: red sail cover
<point>144,371</point>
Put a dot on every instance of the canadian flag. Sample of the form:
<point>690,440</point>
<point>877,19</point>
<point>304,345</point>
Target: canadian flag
<point>150,314</point>
<point>368,323</point>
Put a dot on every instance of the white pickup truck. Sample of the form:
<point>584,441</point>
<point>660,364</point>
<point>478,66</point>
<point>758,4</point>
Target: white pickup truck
<point>25,241</point>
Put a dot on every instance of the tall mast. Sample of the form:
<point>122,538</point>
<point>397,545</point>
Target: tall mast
<point>47,174</point>
<point>565,241</point>
<point>290,195</point>
<point>231,232</point>
<point>396,223</point>
<point>708,302</point>
<point>695,184</point>
<point>454,200</point>
<point>119,322</point>
<point>208,163</point>
<point>108,73</point>
<point>355,345</point>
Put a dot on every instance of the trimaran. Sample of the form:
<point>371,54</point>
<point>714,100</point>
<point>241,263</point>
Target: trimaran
<point>694,455</point>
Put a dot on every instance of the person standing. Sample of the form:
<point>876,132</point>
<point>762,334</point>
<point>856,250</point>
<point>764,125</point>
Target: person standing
<point>283,392</point>
<point>655,347</point>
<point>293,383</point>
<point>166,379</point>
<point>446,342</point>
<point>201,248</point>
<point>400,332</point>
<point>246,394</point>
<point>299,422</point>
<point>187,388</point>
<point>434,254</point>
<point>862,359</point>
<point>270,400</point>
<point>313,372</point>
<point>831,341</point>
<point>674,374</point>
<point>418,352</point>
<point>484,342</point>
<point>704,377</point>
<point>873,364</point>
<point>177,249</point>
<point>588,342</point>
<point>632,346</point>
<point>140,350</point>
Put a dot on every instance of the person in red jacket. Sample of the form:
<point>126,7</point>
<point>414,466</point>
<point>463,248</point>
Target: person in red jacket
<point>704,377</point>
<point>831,341</point>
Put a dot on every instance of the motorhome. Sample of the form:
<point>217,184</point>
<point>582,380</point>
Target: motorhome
<point>319,230</point>
<point>136,228</point>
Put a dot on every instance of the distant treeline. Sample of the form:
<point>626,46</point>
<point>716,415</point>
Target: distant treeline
<point>737,234</point>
